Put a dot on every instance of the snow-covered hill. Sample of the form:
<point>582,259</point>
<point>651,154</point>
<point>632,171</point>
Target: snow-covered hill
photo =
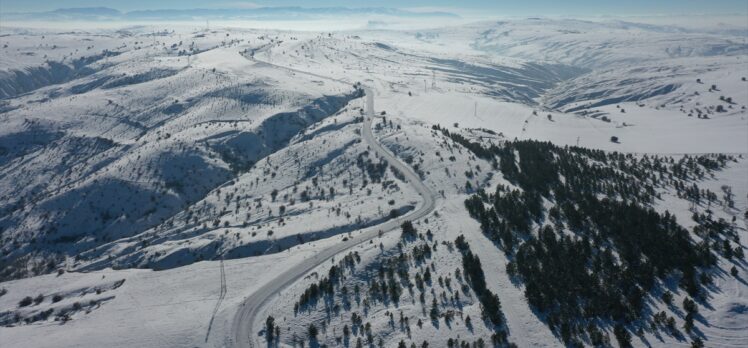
<point>221,158</point>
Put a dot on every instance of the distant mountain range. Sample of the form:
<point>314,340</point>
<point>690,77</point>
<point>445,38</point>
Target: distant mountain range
<point>261,13</point>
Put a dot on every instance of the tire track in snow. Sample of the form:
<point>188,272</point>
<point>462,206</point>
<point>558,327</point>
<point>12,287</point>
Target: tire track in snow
<point>221,295</point>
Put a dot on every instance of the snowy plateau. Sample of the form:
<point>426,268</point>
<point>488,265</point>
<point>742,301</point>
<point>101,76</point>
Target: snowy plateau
<point>528,183</point>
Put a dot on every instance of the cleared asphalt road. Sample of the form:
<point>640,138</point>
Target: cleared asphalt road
<point>245,326</point>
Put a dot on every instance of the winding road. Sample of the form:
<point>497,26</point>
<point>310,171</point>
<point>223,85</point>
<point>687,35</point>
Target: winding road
<point>244,331</point>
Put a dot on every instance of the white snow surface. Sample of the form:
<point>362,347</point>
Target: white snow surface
<point>173,148</point>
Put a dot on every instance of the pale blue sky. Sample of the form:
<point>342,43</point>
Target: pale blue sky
<point>507,7</point>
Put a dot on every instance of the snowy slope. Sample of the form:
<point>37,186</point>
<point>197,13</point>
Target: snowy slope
<point>173,148</point>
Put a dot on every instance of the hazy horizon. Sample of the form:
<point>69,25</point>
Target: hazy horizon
<point>720,15</point>
<point>511,8</point>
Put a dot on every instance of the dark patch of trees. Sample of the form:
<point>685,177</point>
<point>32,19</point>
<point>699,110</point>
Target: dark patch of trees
<point>490,304</point>
<point>327,285</point>
<point>408,231</point>
<point>617,246</point>
<point>375,171</point>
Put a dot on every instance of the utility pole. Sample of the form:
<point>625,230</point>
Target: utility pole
<point>476,110</point>
<point>577,141</point>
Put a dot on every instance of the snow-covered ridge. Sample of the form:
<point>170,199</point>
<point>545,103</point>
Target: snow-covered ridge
<point>174,148</point>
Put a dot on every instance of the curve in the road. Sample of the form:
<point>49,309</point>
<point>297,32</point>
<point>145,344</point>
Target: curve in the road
<point>244,334</point>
